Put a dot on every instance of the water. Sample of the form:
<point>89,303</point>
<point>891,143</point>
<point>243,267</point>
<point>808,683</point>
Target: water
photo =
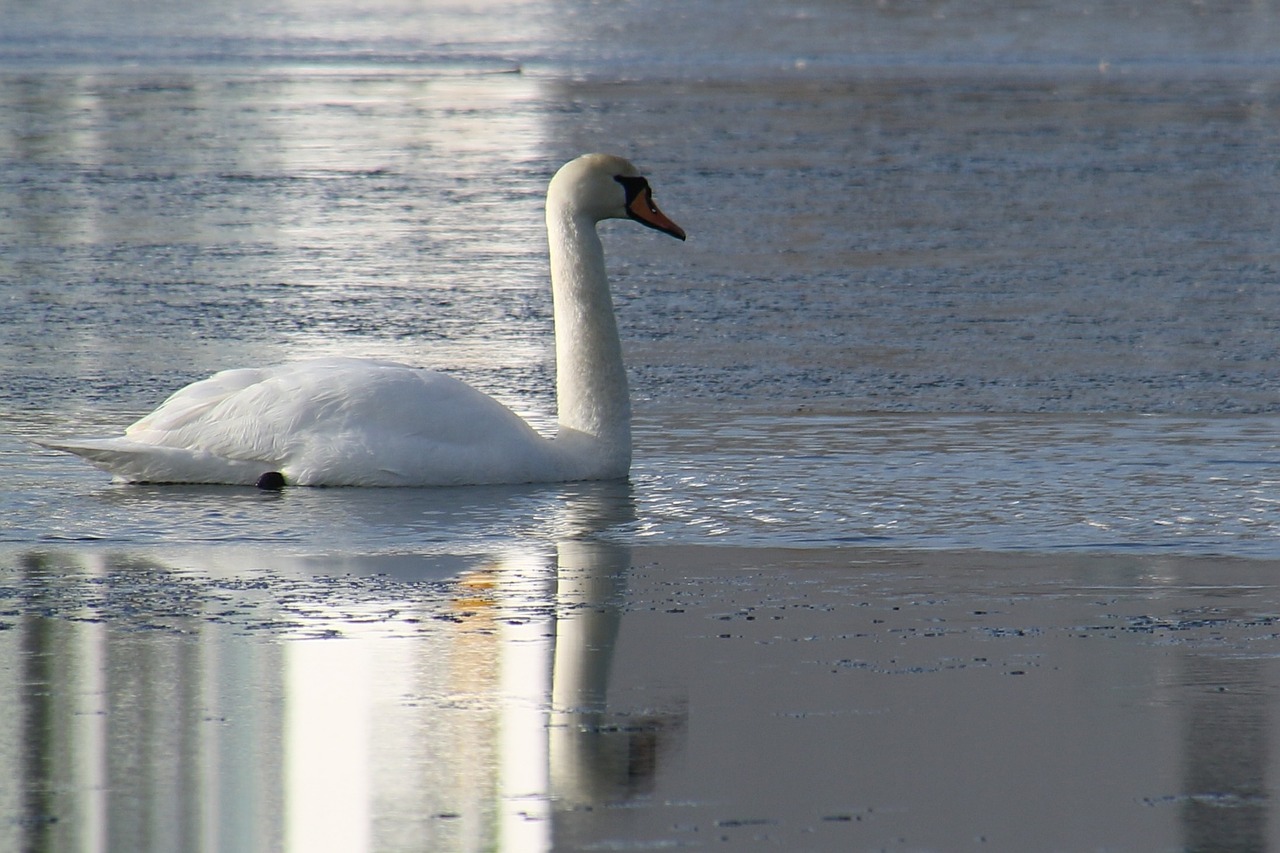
<point>1183,485</point>
<point>966,374</point>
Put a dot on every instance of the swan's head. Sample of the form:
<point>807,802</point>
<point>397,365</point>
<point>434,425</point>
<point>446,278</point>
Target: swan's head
<point>607,187</point>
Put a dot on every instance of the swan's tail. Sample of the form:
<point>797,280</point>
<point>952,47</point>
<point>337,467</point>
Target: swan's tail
<point>137,462</point>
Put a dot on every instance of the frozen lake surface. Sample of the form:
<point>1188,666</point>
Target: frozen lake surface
<point>956,468</point>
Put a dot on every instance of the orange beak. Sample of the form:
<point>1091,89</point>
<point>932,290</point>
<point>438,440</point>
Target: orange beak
<point>643,210</point>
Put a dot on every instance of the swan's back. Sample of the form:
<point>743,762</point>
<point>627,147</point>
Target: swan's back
<point>337,422</point>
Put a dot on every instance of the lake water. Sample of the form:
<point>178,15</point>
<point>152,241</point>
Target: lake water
<point>953,518</point>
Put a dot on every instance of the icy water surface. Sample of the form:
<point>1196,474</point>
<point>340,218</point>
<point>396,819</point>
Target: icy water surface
<point>953,518</point>
<point>1146,484</point>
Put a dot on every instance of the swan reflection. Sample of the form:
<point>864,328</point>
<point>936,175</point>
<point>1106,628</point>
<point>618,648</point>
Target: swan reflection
<point>465,717</point>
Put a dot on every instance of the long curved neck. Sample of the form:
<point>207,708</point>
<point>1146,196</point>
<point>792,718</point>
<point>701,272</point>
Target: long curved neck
<point>591,379</point>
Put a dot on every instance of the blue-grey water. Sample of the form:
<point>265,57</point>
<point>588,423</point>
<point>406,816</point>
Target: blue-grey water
<point>956,455</point>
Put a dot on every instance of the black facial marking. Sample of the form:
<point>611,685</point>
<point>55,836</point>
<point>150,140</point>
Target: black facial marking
<point>635,187</point>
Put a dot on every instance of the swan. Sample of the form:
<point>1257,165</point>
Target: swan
<point>360,422</point>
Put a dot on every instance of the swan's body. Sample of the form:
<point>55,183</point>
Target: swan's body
<point>354,422</point>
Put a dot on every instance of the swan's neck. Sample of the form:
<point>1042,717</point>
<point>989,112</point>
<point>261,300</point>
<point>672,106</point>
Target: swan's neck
<point>591,380</point>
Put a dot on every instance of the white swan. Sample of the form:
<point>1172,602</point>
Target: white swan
<point>355,422</point>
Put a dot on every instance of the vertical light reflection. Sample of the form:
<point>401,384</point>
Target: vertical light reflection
<point>327,773</point>
<point>118,729</point>
<point>458,729</point>
<point>242,750</point>
<point>439,186</point>
<point>528,633</point>
<point>92,733</point>
<point>418,233</point>
<point>288,208</point>
<point>45,122</point>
